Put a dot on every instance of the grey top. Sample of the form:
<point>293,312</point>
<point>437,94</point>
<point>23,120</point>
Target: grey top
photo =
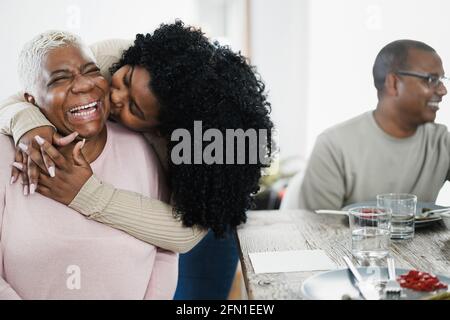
<point>356,160</point>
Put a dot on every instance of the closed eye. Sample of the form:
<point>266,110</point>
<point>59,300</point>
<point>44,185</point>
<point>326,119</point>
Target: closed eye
<point>136,111</point>
<point>57,80</point>
<point>93,70</point>
<point>125,79</point>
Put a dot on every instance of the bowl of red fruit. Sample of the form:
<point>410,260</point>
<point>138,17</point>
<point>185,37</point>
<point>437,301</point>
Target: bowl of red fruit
<point>423,285</point>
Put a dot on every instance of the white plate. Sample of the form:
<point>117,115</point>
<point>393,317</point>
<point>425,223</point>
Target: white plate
<point>332,285</point>
<point>420,222</point>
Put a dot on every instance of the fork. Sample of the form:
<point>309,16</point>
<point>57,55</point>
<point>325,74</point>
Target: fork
<point>427,214</point>
<point>392,288</point>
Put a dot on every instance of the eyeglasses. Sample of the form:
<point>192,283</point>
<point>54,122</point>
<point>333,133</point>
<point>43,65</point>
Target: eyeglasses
<point>433,81</point>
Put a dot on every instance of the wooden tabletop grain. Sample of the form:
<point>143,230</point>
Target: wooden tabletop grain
<point>282,230</point>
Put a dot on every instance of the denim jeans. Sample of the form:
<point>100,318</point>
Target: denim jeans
<point>207,271</point>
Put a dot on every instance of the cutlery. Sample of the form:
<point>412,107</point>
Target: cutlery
<point>366,288</point>
<point>427,214</point>
<point>337,212</point>
<point>424,215</point>
<point>437,210</point>
<point>392,288</point>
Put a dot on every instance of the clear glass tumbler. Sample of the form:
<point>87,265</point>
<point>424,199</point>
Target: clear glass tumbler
<point>370,229</point>
<point>403,207</point>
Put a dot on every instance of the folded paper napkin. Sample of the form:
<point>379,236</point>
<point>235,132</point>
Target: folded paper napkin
<point>291,261</point>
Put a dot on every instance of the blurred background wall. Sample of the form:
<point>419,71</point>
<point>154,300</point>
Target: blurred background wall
<point>315,56</point>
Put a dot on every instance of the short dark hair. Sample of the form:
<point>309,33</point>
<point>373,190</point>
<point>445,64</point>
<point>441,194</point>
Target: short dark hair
<point>394,57</point>
<point>196,79</point>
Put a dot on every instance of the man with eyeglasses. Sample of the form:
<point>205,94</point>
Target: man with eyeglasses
<point>395,148</point>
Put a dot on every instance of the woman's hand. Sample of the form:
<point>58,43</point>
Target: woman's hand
<point>71,174</point>
<point>29,158</point>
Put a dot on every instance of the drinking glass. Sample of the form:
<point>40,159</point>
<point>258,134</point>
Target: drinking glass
<point>403,207</point>
<point>370,228</point>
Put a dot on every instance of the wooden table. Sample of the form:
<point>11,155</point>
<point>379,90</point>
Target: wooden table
<point>303,230</point>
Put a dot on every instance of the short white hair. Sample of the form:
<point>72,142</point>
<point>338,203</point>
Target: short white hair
<point>34,51</point>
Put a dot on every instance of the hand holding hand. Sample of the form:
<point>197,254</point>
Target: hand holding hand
<point>29,158</point>
<point>71,174</point>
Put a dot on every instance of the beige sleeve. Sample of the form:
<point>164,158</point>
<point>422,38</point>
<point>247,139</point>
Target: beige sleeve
<point>18,117</point>
<point>144,218</point>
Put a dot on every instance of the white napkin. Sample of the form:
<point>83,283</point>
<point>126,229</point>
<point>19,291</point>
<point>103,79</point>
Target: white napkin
<point>290,261</point>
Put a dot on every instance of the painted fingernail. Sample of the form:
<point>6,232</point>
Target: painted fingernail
<point>32,188</point>
<point>18,165</point>
<point>25,190</point>
<point>23,147</point>
<point>51,171</point>
<point>13,179</point>
<point>82,144</point>
<point>39,140</point>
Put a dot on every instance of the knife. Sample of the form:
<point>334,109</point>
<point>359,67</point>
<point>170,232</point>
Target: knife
<point>367,289</point>
<point>336,212</point>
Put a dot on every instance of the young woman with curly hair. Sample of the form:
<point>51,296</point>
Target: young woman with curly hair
<point>167,81</point>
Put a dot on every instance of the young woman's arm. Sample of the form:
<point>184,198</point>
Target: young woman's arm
<point>144,218</point>
<point>18,117</point>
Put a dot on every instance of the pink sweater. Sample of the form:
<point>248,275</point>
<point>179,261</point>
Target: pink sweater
<point>49,251</point>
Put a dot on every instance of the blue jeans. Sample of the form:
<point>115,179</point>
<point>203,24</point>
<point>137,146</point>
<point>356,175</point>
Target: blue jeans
<point>207,271</point>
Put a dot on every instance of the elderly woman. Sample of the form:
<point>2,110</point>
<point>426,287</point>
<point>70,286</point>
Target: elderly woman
<point>164,82</point>
<point>48,250</point>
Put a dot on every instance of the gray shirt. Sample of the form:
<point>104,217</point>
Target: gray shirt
<point>356,160</point>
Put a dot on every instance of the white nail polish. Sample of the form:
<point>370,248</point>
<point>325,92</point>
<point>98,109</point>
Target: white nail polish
<point>32,188</point>
<point>25,190</point>
<point>39,140</point>
<point>23,147</point>
<point>51,171</point>
<point>82,145</point>
<point>13,179</point>
<point>18,165</point>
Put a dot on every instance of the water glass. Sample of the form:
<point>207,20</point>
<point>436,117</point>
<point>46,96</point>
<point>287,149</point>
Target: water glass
<point>370,228</point>
<point>403,207</point>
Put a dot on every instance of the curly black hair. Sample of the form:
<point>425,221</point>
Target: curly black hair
<point>195,79</point>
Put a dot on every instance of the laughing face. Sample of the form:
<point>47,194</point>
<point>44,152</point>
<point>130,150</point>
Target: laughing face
<point>72,94</point>
<point>418,100</point>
